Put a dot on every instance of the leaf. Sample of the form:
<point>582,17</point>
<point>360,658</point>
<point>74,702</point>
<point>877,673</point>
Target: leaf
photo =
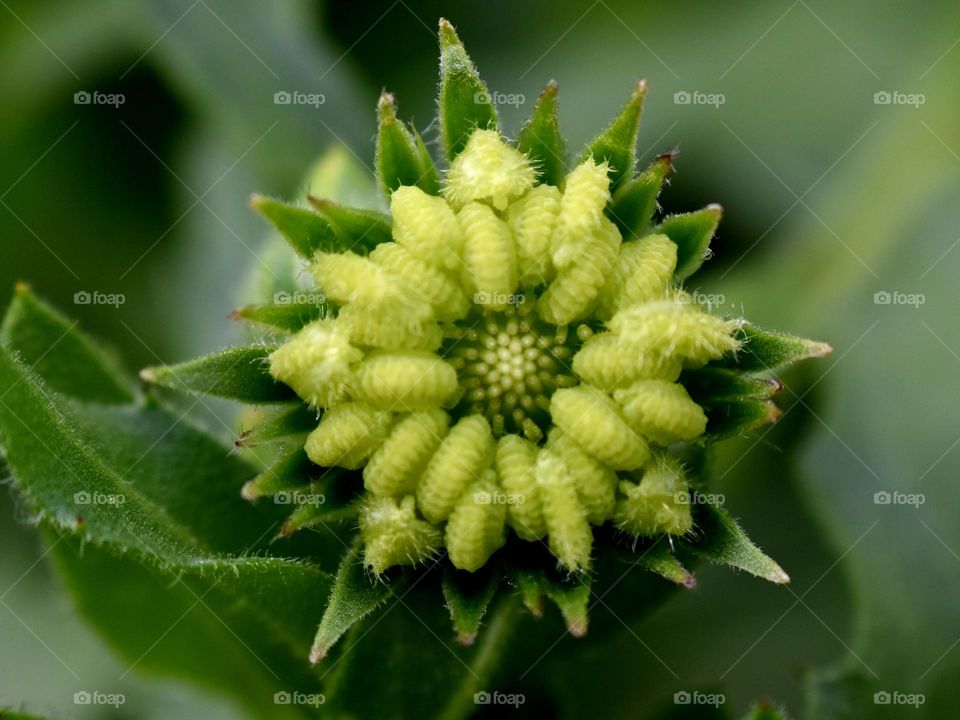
<point>767,350</point>
<point>359,230</point>
<point>238,373</point>
<point>355,594</point>
<point>281,425</point>
<point>465,102</point>
<point>540,139</point>
<point>7,714</point>
<point>617,144</point>
<point>691,232</point>
<point>635,201</point>
<point>287,316</point>
<point>401,158</point>
<point>43,338</point>
<point>306,231</point>
<point>723,541</point>
<point>468,597</point>
<point>145,495</point>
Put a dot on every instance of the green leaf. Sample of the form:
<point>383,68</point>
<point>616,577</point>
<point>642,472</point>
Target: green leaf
<point>224,629</point>
<point>355,594</point>
<point>540,139</point>
<point>617,144</point>
<point>358,229</point>
<point>635,201</point>
<point>238,373</point>
<point>290,469</point>
<point>692,233</point>
<point>465,102</point>
<point>711,385</point>
<point>401,158</point>
<point>767,350</point>
<point>287,316</point>
<point>146,495</point>
<point>723,541</point>
<point>306,231</point>
<point>68,361</point>
<point>468,597</point>
<point>7,714</point>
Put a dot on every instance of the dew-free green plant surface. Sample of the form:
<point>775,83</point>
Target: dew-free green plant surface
<point>96,460</point>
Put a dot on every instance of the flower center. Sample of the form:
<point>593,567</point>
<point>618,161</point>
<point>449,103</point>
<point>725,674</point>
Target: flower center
<point>509,363</point>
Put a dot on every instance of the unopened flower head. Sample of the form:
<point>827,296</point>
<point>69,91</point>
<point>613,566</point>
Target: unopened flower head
<point>519,329</point>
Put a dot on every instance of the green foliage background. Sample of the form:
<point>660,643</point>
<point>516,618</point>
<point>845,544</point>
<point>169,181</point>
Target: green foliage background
<point>829,199</point>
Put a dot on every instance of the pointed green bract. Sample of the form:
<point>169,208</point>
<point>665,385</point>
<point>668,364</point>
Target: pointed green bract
<point>68,361</point>
<point>310,514</point>
<point>238,373</point>
<point>465,102</point>
<point>617,144</point>
<point>468,597</point>
<point>355,595</point>
<point>712,385</point>
<point>692,233</point>
<point>281,425</point>
<point>541,141</point>
<point>572,598</point>
<point>401,157</point>
<point>764,350</point>
<point>659,560</point>
<point>287,317</point>
<point>289,470</point>
<point>737,418</point>
<point>635,201</point>
<point>306,231</point>
<point>357,229</point>
<point>724,542</point>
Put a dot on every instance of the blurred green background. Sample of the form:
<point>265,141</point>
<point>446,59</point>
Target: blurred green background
<point>833,142</point>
